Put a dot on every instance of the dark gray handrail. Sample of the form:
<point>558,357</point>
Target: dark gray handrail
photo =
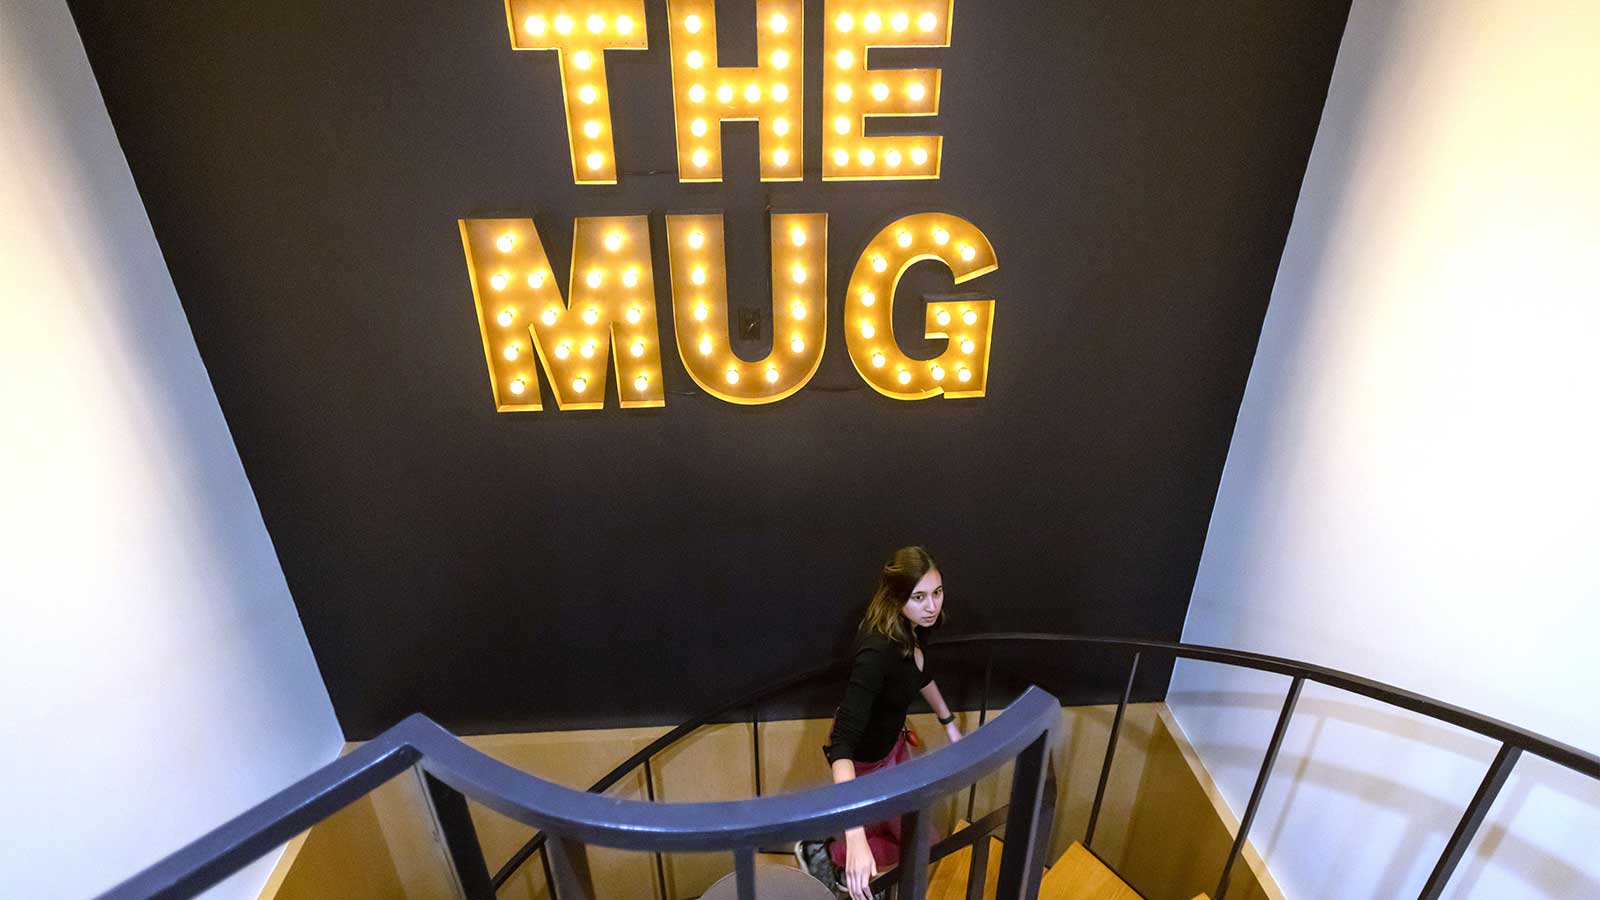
<point>1022,732</point>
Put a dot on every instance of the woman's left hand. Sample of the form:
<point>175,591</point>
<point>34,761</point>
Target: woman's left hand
<point>953,732</point>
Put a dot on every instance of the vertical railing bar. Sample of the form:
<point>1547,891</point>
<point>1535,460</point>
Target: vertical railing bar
<point>1477,810</point>
<point>569,861</point>
<point>1027,832</point>
<point>744,867</point>
<point>1261,784</point>
<point>983,714</point>
<point>755,743</point>
<point>650,794</point>
<point>1111,751</point>
<point>916,837</point>
<point>978,871</point>
<point>549,879</point>
<point>460,838</point>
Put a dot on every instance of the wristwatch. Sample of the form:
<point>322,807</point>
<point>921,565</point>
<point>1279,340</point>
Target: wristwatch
<point>947,720</point>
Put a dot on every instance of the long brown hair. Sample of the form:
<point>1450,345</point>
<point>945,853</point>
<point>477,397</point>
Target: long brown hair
<point>897,579</point>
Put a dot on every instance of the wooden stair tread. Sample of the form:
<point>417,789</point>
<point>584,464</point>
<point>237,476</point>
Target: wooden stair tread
<point>1079,875</point>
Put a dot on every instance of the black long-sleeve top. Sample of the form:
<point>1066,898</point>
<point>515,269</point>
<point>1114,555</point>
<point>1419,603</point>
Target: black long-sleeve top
<point>883,683</point>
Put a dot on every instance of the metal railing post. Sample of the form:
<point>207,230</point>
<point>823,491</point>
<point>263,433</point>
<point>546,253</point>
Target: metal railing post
<point>1111,751</point>
<point>983,713</point>
<point>650,794</point>
<point>1477,810</point>
<point>755,743</point>
<point>1027,832</point>
<point>1261,784</point>
<point>460,839</point>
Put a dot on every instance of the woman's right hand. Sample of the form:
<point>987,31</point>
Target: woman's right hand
<point>859,866</point>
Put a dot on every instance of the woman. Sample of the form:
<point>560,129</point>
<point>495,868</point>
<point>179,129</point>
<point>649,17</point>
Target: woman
<point>869,728</point>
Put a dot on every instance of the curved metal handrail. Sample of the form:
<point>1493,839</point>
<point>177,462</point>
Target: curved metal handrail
<point>740,825</point>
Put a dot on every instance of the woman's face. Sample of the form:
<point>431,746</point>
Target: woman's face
<point>927,598</point>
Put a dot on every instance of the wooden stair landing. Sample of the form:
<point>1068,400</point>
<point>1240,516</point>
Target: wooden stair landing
<point>1077,875</point>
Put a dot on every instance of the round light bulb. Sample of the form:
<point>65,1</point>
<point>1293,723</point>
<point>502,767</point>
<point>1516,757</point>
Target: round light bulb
<point>505,318</point>
<point>866,156</point>
<point>867,331</point>
<point>698,128</point>
<point>536,280</point>
<point>641,384</point>
<point>614,241</point>
<point>591,316</point>
<point>797,345</point>
<point>587,93</point>
<point>940,236</point>
<point>845,22</point>
<point>780,93</point>
<point>967,346</point>
<point>534,25</point>
<point>878,360</point>
<point>697,93</point>
<point>872,22</point>
<point>780,59</point>
<point>843,93</point>
<point>583,59</point>
<point>903,239</point>
<point>916,91</point>
<point>700,159</point>
<point>927,21</point>
<point>799,274</point>
<point>968,252</point>
<point>595,160</point>
<point>844,59</point>
<point>964,374</point>
<point>798,310</point>
<point>630,278</point>
<point>937,372</point>
<point>797,236</point>
<point>499,281</point>
<point>587,350</point>
<point>943,318</point>
<point>698,276</point>
<point>624,25</point>
<point>696,240</point>
<point>900,22</point>
<point>505,243</point>
<point>772,376</point>
<point>637,349</point>
<point>752,93</point>
<point>594,279</point>
<point>841,157</point>
<point>563,351</point>
<point>779,23</point>
<point>880,92</point>
<point>725,94</point>
<point>919,155</point>
<point>868,298</point>
<point>694,59</point>
<point>970,317</point>
<point>879,264</point>
<point>518,386</point>
<point>700,313</point>
<point>579,383</point>
<point>511,352</point>
<point>892,158</point>
<point>564,24</point>
<point>904,376</point>
<point>780,157</point>
<point>692,24</point>
<point>733,376</point>
<point>597,24</point>
<point>591,129</point>
<point>841,125</point>
<point>549,317</point>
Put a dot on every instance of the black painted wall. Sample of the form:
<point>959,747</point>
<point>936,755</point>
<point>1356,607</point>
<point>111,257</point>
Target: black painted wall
<point>1136,165</point>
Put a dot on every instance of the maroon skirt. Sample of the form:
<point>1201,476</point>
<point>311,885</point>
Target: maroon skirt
<point>882,837</point>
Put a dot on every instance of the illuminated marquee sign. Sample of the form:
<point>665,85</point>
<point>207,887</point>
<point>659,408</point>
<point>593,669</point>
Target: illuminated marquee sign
<point>603,322</point>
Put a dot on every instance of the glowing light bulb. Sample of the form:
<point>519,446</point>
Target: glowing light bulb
<point>880,92</point>
<point>797,236</point>
<point>878,360</point>
<point>872,22</point>
<point>534,25</point>
<point>733,376</point>
<point>866,156</point>
<point>700,159</point>
<point>916,91</point>
<point>772,375</point>
<point>698,128</point>
<point>696,240</point>
<point>505,243</point>
<point>587,350</point>
<point>597,24</point>
<point>637,349</point>
<point>964,374</point>
<point>780,93</point>
<point>780,157</point>
<point>505,318</point>
<point>564,24</point>
<point>630,278</point>
<point>641,384</point>
<point>968,252</point>
<point>511,352</point>
<point>499,281</point>
<point>591,129</point>
<point>941,236</point>
<point>937,372</point>
<point>900,22</point>
<point>867,331</point>
<point>927,21</point>
<point>591,316</point>
<point>595,278</point>
<point>752,92</point>
<point>797,345</point>
<point>583,59</point>
<point>587,93</point>
<point>919,155</point>
<point>780,127</point>
<point>535,280</point>
<point>970,317</point>
<point>879,264</point>
<point>892,158</point>
<point>780,59</point>
<point>798,310</point>
<point>614,241</point>
<point>779,23</point>
<point>624,25</point>
<point>595,160</point>
<point>549,317</point>
<point>563,351</point>
<point>843,93</point>
<point>698,276</point>
<point>700,313</point>
<point>943,318</point>
<point>841,157</point>
<point>903,238</point>
<point>868,298</point>
<point>697,94</point>
<point>845,22</point>
<point>844,59</point>
<point>725,94</point>
<point>694,59</point>
<point>799,274</point>
<point>692,24</point>
<point>967,346</point>
<point>841,125</point>
<point>579,384</point>
<point>518,386</point>
<point>904,376</point>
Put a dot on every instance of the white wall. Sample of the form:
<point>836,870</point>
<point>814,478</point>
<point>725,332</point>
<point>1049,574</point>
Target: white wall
<point>1413,490</point>
<point>154,677</point>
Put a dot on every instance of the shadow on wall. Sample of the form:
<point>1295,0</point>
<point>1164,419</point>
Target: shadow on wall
<point>1545,872</point>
